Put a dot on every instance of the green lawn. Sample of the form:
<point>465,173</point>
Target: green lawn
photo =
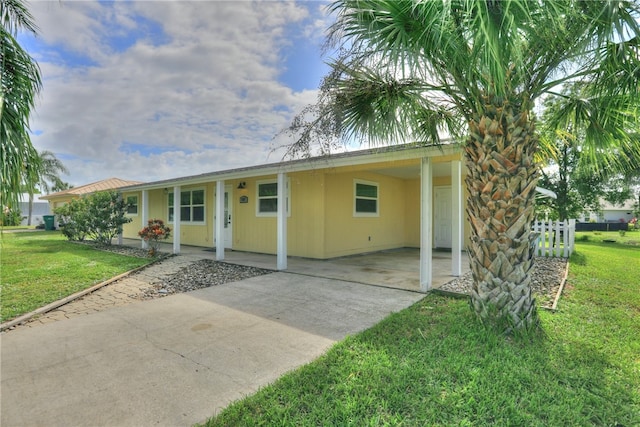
<point>37,268</point>
<point>631,237</point>
<point>432,364</point>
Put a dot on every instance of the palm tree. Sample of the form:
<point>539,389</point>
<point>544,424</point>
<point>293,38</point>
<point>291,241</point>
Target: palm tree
<point>473,69</point>
<point>20,84</point>
<point>580,181</point>
<point>48,174</point>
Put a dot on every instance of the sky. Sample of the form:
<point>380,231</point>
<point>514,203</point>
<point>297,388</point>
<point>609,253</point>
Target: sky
<point>151,90</point>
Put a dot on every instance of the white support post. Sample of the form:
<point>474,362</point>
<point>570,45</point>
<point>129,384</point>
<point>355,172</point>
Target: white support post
<point>219,221</point>
<point>282,221</point>
<point>426,225</point>
<point>176,219</point>
<point>456,223</point>
<point>144,214</point>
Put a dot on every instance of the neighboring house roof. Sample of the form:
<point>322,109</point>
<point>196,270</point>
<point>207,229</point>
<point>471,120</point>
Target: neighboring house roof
<point>104,185</point>
<point>626,206</point>
<point>37,198</point>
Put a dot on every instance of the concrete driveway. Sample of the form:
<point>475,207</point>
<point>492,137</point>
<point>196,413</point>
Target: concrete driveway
<point>178,360</point>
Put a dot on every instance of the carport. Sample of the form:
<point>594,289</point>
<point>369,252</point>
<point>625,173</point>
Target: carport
<point>396,268</point>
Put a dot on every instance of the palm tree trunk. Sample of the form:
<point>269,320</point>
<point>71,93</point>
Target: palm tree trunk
<point>501,183</point>
<point>30,208</point>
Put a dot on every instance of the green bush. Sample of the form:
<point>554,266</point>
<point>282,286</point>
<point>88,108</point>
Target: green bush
<point>72,218</point>
<point>99,217</point>
<point>10,217</point>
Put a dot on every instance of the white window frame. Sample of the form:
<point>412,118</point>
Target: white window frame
<point>137,204</point>
<point>356,197</point>
<point>191,206</point>
<point>288,198</point>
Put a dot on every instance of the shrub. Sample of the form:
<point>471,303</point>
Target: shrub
<point>73,219</point>
<point>155,231</point>
<point>10,217</point>
<point>99,216</point>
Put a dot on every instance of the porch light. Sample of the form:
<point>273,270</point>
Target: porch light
<point>242,185</point>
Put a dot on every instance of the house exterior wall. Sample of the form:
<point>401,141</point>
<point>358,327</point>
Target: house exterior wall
<point>321,222</point>
<point>196,234</point>
<point>305,224</point>
<point>412,213</point>
<point>621,215</point>
<point>39,208</point>
<point>131,229</point>
<point>252,233</point>
<point>348,234</point>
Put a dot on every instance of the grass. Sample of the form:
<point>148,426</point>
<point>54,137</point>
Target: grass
<point>17,227</point>
<point>631,237</point>
<point>40,267</point>
<point>433,364</point>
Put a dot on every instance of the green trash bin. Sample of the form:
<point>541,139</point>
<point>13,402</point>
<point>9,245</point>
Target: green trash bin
<point>49,222</point>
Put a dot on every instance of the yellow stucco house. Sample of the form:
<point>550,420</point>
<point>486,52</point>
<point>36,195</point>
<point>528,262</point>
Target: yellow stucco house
<point>324,207</point>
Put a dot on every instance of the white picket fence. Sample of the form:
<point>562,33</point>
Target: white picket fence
<point>555,238</point>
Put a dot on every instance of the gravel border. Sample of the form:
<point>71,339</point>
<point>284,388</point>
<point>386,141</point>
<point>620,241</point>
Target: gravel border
<point>547,280</point>
<point>122,250</point>
<point>202,274</point>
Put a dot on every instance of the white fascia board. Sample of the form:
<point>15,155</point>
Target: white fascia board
<point>315,163</point>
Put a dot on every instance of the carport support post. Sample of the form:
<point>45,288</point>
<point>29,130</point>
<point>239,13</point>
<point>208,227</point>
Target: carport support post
<point>456,223</point>
<point>426,224</point>
<point>176,219</point>
<point>282,221</point>
<point>219,221</point>
<point>145,215</point>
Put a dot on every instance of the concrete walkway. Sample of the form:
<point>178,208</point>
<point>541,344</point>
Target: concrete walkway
<point>180,359</point>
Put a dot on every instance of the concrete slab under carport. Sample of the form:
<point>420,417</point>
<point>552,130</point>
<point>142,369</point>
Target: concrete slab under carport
<point>394,268</point>
<point>178,360</point>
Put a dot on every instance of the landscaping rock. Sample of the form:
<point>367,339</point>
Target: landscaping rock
<point>545,280</point>
<point>202,274</point>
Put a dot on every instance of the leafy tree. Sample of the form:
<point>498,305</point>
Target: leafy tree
<point>99,217</point>
<point>416,70</point>
<point>581,180</point>
<point>60,186</point>
<point>48,174</point>
<point>21,82</point>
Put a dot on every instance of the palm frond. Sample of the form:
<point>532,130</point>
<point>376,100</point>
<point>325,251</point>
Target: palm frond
<point>15,16</point>
<point>20,83</point>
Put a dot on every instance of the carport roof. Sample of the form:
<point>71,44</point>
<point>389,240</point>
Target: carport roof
<point>372,155</point>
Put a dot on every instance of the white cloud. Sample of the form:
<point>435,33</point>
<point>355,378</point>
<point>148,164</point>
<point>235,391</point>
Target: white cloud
<point>197,82</point>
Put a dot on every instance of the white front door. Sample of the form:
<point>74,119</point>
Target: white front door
<point>228,198</point>
<point>442,217</point>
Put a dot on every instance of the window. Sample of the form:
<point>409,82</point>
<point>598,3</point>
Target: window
<point>132,205</point>
<point>366,198</point>
<point>191,206</point>
<point>268,198</point>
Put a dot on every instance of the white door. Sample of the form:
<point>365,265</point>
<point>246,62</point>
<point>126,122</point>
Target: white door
<point>442,217</point>
<point>228,197</point>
